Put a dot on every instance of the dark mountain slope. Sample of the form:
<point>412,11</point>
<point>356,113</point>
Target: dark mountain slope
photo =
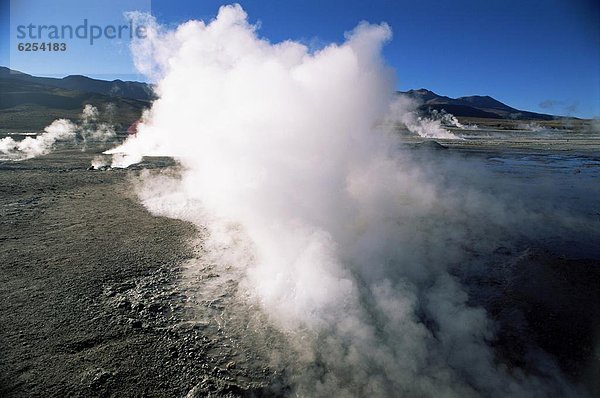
<point>472,106</point>
<point>115,88</point>
<point>27,104</point>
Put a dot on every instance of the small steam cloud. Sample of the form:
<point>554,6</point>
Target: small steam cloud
<point>60,130</point>
<point>448,119</point>
<point>29,147</point>
<point>531,126</point>
<point>100,163</point>
<point>345,242</point>
<point>405,111</point>
<point>91,129</point>
<point>540,130</point>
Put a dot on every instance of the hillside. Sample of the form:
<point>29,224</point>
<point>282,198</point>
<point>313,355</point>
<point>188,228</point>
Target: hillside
<point>474,106</point>
<point>30,103</point>
<point>114,88</point>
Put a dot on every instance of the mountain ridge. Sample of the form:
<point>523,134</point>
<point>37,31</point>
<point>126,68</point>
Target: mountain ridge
<point>480,106</point>
<point>30,102</point>
<point>112,88</point>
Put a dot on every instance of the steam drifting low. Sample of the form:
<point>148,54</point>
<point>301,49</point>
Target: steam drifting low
<point>344,241</point>
<point>59,130</point>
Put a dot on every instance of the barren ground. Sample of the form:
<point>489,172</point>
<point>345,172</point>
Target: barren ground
<point>90,303</point>
<point>98,298</point>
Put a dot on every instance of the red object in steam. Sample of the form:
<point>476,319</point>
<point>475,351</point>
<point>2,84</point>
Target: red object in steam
<point>133,129</point>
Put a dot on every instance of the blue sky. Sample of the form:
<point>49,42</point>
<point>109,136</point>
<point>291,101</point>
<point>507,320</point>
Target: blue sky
<point>541,56</point>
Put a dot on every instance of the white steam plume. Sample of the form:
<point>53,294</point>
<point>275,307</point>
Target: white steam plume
<point>448,119</point>
<point>534,127</point>
<point>91,129</point>
<point>29,147</point>
<point>344,242</point>
<point>88,129</point>
<point>404,110</point>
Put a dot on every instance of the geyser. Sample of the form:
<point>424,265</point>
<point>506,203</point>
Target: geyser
<point>343,240</point>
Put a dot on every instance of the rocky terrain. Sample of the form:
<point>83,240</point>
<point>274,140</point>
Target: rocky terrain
<point>100,298</point>
<point>91,293</point>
